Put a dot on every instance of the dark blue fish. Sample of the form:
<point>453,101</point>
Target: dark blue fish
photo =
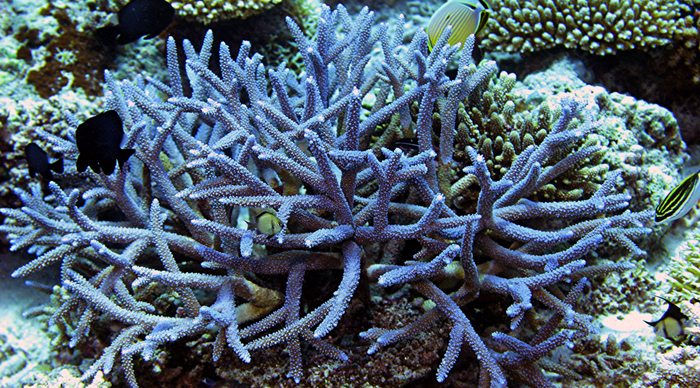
<point>99,139</point>
<point>138,18</point>
<point>38,162</point>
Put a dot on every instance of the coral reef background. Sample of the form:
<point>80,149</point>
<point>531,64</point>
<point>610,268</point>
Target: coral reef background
<point>44,74</point>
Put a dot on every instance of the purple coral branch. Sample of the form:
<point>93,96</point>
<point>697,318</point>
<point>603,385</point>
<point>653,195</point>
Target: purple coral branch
<point>208,155</point>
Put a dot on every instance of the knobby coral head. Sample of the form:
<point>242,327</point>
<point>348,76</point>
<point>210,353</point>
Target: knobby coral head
<point>303,148</point>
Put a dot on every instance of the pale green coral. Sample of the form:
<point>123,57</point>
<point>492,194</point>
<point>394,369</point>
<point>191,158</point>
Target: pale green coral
<point>209,11</point>
<point>684,269</point>
<point>10,66</point>
<point>304,12</point>
<point>504,120</point>
<point>600,27</point>
<point>643,140</point>
<point>646,144</point>
<point>277,48</point>
<point>67,377</point>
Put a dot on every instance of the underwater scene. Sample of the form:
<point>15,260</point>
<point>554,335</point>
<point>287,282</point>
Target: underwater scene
<point>390,193</point>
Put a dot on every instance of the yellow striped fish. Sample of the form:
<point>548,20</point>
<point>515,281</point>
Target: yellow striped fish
<point>680,200</point>
<point>465,16</point>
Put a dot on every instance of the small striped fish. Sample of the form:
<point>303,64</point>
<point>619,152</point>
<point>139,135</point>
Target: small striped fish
<point>680,200</point>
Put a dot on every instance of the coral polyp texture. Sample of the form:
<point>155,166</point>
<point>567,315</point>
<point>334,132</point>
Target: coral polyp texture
<point>597,26</point>
<point>210,11</point>
<point>160,252</point>
<point>684,269</point>
<point>215,10</point>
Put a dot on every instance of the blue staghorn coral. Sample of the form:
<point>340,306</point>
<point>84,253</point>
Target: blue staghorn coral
<point>302,145</point>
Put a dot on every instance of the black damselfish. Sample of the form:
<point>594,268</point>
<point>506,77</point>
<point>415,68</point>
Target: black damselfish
<point>38,162</point>
<point>138,18</point>
<point>99,139</point>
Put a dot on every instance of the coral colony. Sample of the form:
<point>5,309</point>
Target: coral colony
<point>305,148</point>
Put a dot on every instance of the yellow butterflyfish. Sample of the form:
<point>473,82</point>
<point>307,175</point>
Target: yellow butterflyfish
<point>465,16</point>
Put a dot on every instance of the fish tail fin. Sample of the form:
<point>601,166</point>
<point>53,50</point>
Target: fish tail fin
<point>95,166</point>
<point>57,166</point>
<point>107,166</point>
<point>108,34</point>
<point>81,164</point>
<point>124,155</point>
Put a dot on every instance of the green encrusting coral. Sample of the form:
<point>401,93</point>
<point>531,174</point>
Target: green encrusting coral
<point>211,11</point>
<point>597,26</point>
<point>684,269</point>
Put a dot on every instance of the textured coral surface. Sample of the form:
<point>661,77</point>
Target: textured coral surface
<point>215,10</point>
<point>600,27</point>
<point>460,261</point>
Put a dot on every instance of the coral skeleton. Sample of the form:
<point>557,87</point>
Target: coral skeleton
<point>302,145</point>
